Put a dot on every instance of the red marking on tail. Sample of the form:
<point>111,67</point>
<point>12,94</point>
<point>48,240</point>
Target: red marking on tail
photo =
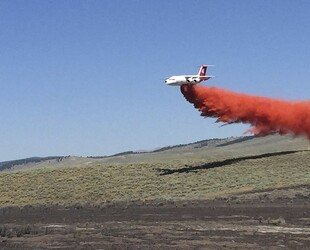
<point>203,70</point>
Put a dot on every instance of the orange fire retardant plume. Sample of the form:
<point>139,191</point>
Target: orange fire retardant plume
<point>266,115</point>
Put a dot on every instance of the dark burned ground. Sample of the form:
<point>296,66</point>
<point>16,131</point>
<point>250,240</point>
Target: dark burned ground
<point>248,221</point>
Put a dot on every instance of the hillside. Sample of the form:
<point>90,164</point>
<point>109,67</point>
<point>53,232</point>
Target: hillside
<point>183,172</point>
<point>245,193</point>
<point>7,165</point>
<point>37,162</point>
<point>204,150</point>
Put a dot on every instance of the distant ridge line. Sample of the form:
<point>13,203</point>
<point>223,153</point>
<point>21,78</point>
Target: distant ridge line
<point>216,142</point>
<point>9,164</point>
<point>198,144</point>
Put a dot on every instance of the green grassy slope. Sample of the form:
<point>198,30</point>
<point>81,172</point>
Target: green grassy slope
<point>191,174</point>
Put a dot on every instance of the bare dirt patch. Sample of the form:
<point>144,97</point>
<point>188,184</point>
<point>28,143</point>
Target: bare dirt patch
<point>274,219</point>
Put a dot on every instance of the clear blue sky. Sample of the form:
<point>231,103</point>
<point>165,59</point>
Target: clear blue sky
<point>85,77</point>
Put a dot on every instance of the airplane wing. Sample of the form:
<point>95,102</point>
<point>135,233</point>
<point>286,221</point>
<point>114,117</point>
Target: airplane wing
<point>196,76</point>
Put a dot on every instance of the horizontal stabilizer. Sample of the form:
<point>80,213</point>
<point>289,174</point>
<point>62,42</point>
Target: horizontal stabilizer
<point>206,77</point>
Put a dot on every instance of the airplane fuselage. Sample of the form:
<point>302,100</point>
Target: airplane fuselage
<point>180,80</point>
<point>188,79</point>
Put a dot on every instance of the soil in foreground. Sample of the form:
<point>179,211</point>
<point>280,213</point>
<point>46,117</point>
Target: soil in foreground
<point>247,221</point>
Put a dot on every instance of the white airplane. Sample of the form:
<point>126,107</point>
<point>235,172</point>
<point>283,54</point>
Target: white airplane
<point>189,79</point>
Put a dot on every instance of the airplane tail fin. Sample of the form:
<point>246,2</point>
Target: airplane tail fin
<point>202,70</point>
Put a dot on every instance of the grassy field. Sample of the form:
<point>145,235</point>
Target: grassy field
<point>251,194</point>
<point>177,179</point>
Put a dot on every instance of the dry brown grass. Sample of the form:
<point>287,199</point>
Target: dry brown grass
<point>100,183</point>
